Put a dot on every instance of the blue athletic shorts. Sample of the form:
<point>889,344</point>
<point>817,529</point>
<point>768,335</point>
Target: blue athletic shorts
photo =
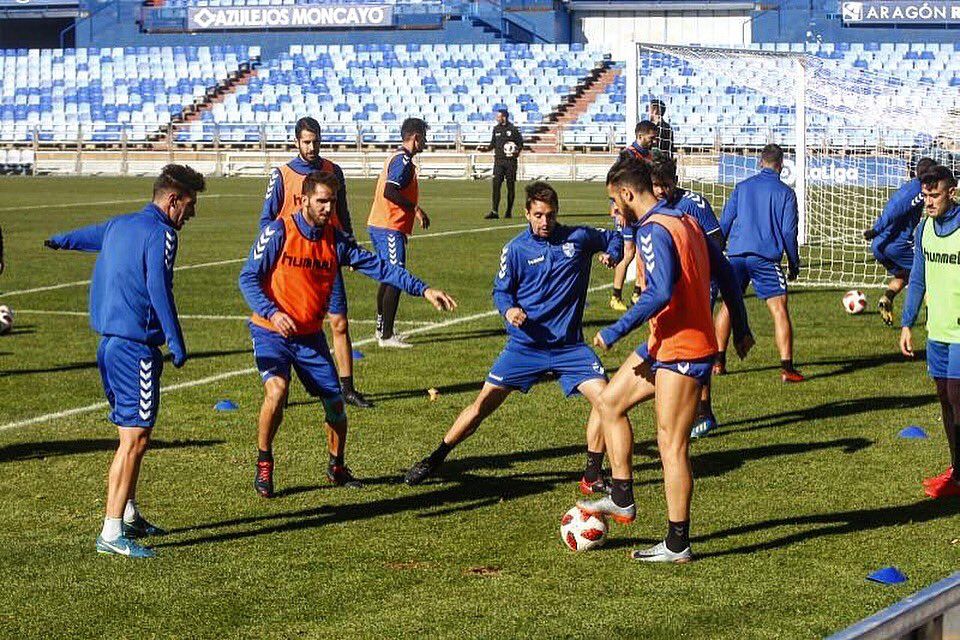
<point>699,370</point>
<point>519,366</point>
<point>895,257</point>
<point>766,275</point>
<point>943,359</point>
<point>308,355</point>
<point>338,297</point>
<point>389,244</point>
<point>130,372</point>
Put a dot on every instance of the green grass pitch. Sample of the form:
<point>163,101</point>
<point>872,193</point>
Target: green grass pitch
<point>803,491</point>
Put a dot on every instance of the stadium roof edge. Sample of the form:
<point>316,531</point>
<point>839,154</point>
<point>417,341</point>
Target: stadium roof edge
<point>650,7</point>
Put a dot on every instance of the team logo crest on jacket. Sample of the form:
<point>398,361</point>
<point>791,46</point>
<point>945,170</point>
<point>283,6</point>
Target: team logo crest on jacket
<point>569,249</point>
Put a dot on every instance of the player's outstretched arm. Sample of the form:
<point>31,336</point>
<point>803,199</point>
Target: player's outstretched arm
<point>262,258</point>
<point>722,272</point>
<point>918,281</point>
<point>898,206</point>
<point>352,255</point>
<point>608,243</point>
<point>441,300</point>
<point>82,239</point>
<point>161,255</point>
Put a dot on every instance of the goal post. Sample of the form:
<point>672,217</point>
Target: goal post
<point>851,137</point>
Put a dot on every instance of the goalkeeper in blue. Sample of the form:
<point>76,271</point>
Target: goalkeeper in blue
<point>891,237</point>
<point>133,310</point>
<point>540,290</point>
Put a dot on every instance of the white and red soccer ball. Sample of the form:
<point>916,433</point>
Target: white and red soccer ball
<point>854,302</point>
<point>581,531</point>
<point>6,319</point>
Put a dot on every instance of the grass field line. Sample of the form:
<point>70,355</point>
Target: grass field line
<point>251,370</point>
<point>76,205</point>
<point>217,263</point>
<point>194,316</point>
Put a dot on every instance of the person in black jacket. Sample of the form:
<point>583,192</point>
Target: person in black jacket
<point>507,143</point>
<point>664,139</point>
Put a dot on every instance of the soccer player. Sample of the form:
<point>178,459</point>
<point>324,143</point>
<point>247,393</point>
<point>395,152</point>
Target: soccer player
<point>395,207</point>
<point>283,199</point>
<point>133,310</point>
<point>664,140</point>
<point>760,222</point>
<point>677,264</point>
<point>639,149</point>
<point>540,290</point>
<point>507,143</point>
<point>892,237</point>
<point>288,281</point>
<point>936,273</point>
<point>663,174</point>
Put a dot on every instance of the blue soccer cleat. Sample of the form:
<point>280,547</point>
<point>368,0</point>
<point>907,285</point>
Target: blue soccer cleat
<point>704,425</point>
<point>140,528</point>
<point>124,546</point>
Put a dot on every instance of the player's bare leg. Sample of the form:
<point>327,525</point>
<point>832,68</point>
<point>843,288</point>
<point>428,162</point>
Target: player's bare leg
<point>343,353</point>
<point>122,478</point>
<point>633,383</point>
<point>335,421</point>
<point>593,480</point>
<point>783,334</point>
<point>620,276</point>
<point>271,415</point>
<point>721,325</point>
<point>948,483</point>
<point>487,401</point>
<point>885,303</point>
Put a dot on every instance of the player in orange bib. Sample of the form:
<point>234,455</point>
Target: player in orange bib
<point>395,207</point>
<point>288,281</point>
<point>676,262</point>
<point>282,200</point>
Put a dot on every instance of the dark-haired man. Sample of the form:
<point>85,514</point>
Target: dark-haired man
<point>133,310</point>
<point>287,281</point>
<point>506,143</point>
<point>283,199</point>
<point>936,272</point>
<point>892,237</point>
<point>540,290</point>
<point>760,221</point>
<point>664,139</point>
<point>394,209</point>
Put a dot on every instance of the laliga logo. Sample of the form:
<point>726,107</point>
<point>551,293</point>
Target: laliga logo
<point>829,172</point>
<point>789,173</point>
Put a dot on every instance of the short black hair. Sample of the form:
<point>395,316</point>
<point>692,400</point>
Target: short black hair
<point>540,191</point>
<point>180,178</point>
<point>924,164</point>
<point>306,124</point>
<point>316,178</point>
<point>413,126</point>
<point>664,171</point>
<point>504,113</point>
<point>661,107</point>
<point>938,174</point>
<point>630,172</point>
<point>772,154</point>
<point>645,126</point>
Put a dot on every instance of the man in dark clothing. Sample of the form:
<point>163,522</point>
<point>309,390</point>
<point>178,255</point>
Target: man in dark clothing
<point>664,140</point>
<point>506,143</point>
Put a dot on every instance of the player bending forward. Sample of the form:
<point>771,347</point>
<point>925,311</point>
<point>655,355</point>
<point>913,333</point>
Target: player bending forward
<point>132,308</point>
<point>676,362</point>
<point>287,281</point>
<point>540,290</point>
<point>936,272</point>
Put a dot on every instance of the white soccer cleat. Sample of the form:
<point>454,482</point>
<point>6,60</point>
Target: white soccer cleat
<point>660,553</point>
<point>396,341</point>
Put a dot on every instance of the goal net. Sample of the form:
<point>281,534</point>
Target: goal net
<point>851,136</point>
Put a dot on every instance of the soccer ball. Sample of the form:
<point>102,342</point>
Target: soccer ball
<point>6,319</point>
<point>581,531</point>
<point>510,149</point>
<point>854,302</point>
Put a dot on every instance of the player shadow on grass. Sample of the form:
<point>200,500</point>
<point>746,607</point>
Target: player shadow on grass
<point>56,448</point>
<point>846,365</point>
<point>828,410</point>
<point>79,366</point>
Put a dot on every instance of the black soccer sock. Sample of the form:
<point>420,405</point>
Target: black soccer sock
<point>346,383</point>
<point>440,453</point>
<point>380,291</point>
<point>890,294</point>
<point>618,293</point>
<point>622,492</point>
<point>497,182</point>
<point>787,365</point>
<point>335,460</point>
<point>511,192</point>
<point>391,300</point>
<point>637,290</point>
<point>678,535</point>
<point>722,358</point>
<point>594,466</point>
<point>264,456</point>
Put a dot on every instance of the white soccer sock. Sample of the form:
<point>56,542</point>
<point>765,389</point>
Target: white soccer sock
<point>130,512</point>
<point>111,529</point>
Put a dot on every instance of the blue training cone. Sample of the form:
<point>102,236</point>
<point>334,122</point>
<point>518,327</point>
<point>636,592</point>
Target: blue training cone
<point>913,432</point>
<point>357,354</point>
<point>226,405</point>
<point>887,575</point>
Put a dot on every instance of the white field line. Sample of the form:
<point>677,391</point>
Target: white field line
<point>191,316</point>
<point>79,205</point>
<point>249,371</point>
<point>201,265</point>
